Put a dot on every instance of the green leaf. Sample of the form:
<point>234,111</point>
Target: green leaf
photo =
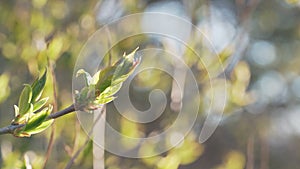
<point>36,120</point>
<point>107,82</point>
<point>16,110</point>
<point>117,73</point>
<point>37,123</point>
<point>104,100</point>
<point>126,66</point>
<point>38,87</point>
<point>24,100</point>
<point>95,78</point>
<point>41,127</point>
<point>24,118</point>
<point>86,75</point>
<point>105,78</point>
<point>111,78</point>
<point>111,90</point>
<point>38,105</point>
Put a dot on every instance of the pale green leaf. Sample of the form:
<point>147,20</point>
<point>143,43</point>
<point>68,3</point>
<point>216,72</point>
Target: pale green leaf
<point>38,87</point>
<point>105,77</point>
<point>95,78</point>
<point>24,100</point>
<point>125,67</point>
<point>104,100</point>
<point>86,75</point>
<point>38,105</point>
<point>34,124</point>
<point>16,110</point>
<point>40,128</point>
<point>111,90</point>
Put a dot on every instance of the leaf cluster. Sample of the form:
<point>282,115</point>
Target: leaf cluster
<point>29,109</point>
<point>100,88</point>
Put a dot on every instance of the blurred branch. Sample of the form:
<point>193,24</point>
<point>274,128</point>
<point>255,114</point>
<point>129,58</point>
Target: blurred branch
<point>70,163</point>
<point>250,153</point>
<point>11,128</point>
<point>51,140</point>
<point>245,9</point>
<point>264,153</point>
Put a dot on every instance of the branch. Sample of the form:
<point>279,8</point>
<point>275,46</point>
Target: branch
<point>51,140</point>
<point>11,128</point>
<point>67,110</point>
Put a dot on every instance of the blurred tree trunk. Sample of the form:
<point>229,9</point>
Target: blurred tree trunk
<point>99,139</point>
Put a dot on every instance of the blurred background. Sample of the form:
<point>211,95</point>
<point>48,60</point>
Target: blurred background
<point>258,42</point>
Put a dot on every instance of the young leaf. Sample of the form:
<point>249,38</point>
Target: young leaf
<point>38,87</point>
<point>87,76</point>
<point>16,110</point>
<point>35,123</point>
<point>95,78</point>
<point>83,95</point>
<point>104,100</point>
<point>22,119</point>
<point>41,127</point>
<point>125,67</point>
<point>111,90</point>
<point>36,120</point>
<point>38,105</point>
<point>105,78</point>
<point>105,83</point>
<point>117,73</point>
<point>24,100</point>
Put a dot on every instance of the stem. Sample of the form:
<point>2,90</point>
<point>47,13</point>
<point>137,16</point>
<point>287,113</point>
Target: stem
<point>63,112</point>
<point>51,140</point>
<point>11,128</point>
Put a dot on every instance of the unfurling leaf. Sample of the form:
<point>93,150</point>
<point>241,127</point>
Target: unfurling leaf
<point>104,100</point>
<point>25,117</point>
<point>38,105</point>
<point>112,78</point>
<point>36,124</point>
<point>29,102</point>
<point>105,78</point>
<point>117,73</point>
<point>125,67</point>
<point>38,87</point>
<point>24,100</point>
<point>105,83</point>
<point>86,75</point>
<point>95,78</point>
<point>16,110</point>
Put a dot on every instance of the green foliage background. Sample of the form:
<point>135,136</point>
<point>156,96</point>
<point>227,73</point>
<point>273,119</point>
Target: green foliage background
<point>258,124</point>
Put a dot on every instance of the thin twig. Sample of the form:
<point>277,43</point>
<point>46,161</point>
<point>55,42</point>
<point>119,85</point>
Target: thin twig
<point>68,110</point>
<point>76,140</point>
<point>109,45</point>
<point>264,153</point>
<point>51,140</point>
<point>241,43</point>
<point>11,128</point>
<point>70,163</point>
<point>250,153</point>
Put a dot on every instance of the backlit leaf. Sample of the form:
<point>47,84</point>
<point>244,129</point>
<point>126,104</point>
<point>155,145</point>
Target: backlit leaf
<point>38,86</point>
<point>24,100</point>
<point>86,75</point>
<point>38,105</point>
<point>37,123</point>
<point>16,110</point>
